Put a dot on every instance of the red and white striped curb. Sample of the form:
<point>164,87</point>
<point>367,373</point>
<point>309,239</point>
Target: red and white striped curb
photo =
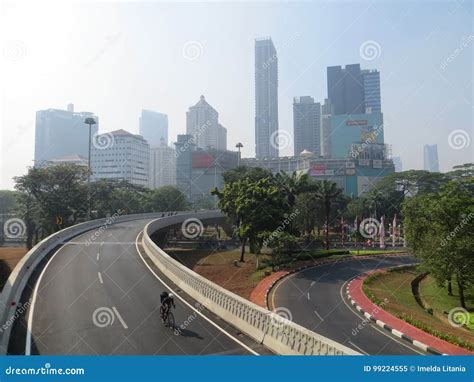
<point>395,332</point>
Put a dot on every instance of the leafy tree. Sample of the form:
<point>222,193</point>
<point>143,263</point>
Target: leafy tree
<point>311,213</point>
<point>439,228</point>
<point>328,194</point>
<point>166,198</point>
<point>291,185</point>
<point>59,192</point>
<point>244,172</point>
<point>280,242</point>
<point>8,201</point>
<point>255,207</point>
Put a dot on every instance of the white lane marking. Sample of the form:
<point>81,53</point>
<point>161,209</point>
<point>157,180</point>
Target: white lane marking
<point>309,298</point>
<point>357,347</point>
<point>29,326</point>
<point>382,331</point>
<point>119,317</point>
<point>98,255</point>
<point>319,316</point>
<point>101,244</point>
<point>101,280</point>
<point>192,307</point>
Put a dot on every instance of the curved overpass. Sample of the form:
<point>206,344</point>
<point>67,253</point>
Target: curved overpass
<point>102,297</point>
<point>314,298</point>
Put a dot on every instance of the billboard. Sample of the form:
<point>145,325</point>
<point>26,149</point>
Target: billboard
<point>317,169</point>
<point>202,160</point>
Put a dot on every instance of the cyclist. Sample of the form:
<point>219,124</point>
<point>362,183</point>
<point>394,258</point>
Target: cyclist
<point>167,300</point>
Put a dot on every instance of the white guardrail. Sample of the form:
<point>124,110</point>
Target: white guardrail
<point>13,289</point>
<point>276,333</point>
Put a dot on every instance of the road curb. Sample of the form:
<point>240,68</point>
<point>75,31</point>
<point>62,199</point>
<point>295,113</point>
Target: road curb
<point>324,262</point>
<point>383,325</point>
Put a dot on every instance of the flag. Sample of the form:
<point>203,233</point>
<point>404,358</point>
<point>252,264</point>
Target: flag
<point>394,230</point>
<point>382,233</point>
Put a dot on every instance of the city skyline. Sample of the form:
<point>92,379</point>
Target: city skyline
<point>407,101</point>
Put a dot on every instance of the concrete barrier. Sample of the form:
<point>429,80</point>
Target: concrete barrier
<point>275,332</point>
<point>13,289</point>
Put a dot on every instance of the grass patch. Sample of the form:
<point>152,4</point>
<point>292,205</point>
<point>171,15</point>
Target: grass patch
<point>394,288</point>
<point>436,297</point>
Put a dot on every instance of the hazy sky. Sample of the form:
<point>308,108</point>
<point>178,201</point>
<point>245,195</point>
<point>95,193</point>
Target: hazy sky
<point>114,59</point>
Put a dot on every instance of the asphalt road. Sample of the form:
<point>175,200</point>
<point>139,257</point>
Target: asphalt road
<point>102,299</point>
<point>315,298</point>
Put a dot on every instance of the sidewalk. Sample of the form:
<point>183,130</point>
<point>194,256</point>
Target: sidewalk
<point>397,326</point>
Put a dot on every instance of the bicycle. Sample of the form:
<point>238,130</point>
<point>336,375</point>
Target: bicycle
<point>167,317</point>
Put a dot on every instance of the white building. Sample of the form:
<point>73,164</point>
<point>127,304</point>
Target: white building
<point>162,166</point>
<point>121,155</point>
<point>202,122</point>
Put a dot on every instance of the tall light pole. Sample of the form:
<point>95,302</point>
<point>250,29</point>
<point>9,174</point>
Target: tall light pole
<point>239,146</point>
<point>89,121</point>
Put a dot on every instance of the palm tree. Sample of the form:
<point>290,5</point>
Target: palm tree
<point>327,193</point>
<point>292,185</point>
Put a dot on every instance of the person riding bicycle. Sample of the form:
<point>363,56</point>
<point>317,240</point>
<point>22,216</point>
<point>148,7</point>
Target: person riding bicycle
<point>167,300</point>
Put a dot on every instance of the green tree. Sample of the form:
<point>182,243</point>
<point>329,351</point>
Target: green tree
<point>439,228</point>
<point>255,207</point>
<point>166,198</point>
<point>328,194</point>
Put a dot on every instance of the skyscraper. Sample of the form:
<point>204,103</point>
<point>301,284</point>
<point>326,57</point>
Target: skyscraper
<point>431,162</point>
<point>266,99</point>
<point>346,89</point>
<point>154,127</point>
<point>162,166</point>
<point>397,162</point>
<point>202,122</point>
<point>306,125</point>
<point>61,133</point>
<point>372,98</point>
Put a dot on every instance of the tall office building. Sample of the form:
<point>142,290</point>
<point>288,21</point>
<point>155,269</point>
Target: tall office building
<point>162,166</point>
<point>202,122</point>
<point>431,162</point>
<point>61,133</point>
<point>325,140</point>
<point>346,89</point>
<point>266,99</point>
<point>121,155</point>
<point>306,125</point>
<point>184,154</point>
<point>154,127</point>
<point>372,98</point>
<point>397,162</point>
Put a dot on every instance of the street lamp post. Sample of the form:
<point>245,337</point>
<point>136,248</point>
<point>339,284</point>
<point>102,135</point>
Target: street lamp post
<point>239,146</point>
<point>89,121</point>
